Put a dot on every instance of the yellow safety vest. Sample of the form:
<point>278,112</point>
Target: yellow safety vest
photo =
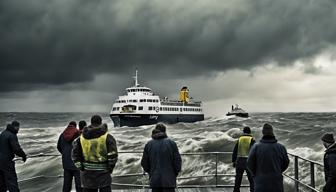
<point>244,143</point>
<point>94,152</point>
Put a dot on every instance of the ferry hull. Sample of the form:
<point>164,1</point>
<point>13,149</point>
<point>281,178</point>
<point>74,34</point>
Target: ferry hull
<point>134,120</point>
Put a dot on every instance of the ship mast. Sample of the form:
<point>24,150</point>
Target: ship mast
<point>136,84</point>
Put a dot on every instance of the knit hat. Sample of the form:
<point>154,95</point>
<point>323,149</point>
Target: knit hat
<point>328,138</point>
<point>96,120</point>
<point>267,130</point>
<point>161,127</point>
<point>15,124</point>
<point>247,130</point>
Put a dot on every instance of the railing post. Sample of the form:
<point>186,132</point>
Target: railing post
<point>216,169</point>
<point>312,175</point>
<point>296,173</point>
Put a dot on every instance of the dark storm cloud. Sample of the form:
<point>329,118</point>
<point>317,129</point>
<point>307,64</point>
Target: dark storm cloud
<point>57,42</point>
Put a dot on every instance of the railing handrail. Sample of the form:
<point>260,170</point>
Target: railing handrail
<point>302,158</point>
<point>216,174</point>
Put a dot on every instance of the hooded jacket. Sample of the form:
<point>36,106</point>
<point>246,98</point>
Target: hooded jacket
<point>162,160</point>
<point>9,146</point>
<point>330,169</point>
<point>99,178</point>
<point>267,161</point>
<point>64,146</point>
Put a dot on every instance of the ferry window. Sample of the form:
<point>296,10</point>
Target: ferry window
<point>181,109</point>
<point>149,100</point>
<point>118,108</point>
<point>113,109</point>
<point>140,108</point>
<point>135,101</point>
<point>160,108</point>
<point>150,108</point>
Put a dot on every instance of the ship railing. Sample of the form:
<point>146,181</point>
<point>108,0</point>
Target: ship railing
<point>314,166</point>
<point>294,176</point>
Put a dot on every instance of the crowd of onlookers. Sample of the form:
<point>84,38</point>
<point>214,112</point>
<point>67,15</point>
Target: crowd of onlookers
<point>89,155</point>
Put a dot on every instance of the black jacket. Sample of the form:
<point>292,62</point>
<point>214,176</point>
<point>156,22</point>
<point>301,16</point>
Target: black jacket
<point>64,146</point>
<point>9,146</point>
<point>241,161</point>
<point>330,169</point>
<point>95,178</point>
<point>162,160</point>
<point>267,161</point>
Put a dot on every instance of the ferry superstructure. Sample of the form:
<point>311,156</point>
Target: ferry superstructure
<point>140,106</point>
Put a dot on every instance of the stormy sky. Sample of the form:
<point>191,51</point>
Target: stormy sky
<point>79,55</point>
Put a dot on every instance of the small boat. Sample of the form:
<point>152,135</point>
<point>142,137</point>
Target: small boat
<point>237,111</point>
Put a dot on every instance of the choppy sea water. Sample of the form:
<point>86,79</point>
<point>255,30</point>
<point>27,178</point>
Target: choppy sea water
<point>299,132</point>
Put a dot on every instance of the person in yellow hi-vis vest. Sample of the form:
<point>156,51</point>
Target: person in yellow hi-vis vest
<point>95,154</point>
<point>239,158</point>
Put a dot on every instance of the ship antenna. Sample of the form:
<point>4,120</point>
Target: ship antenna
<point>136,78</point>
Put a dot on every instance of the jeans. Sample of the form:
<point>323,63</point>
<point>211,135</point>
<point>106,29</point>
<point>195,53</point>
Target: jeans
<point>8,178</point>
<point>67,182</point>
<point>239,177</point>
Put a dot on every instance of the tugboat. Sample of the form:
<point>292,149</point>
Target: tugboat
<point>142,107</point>
<point>237,111</point>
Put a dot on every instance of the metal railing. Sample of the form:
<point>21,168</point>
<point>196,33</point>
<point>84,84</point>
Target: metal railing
<point>312,164</point>
<point>216,175</point>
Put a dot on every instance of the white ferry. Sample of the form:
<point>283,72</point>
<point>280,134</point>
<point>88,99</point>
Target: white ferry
<point>142,107</point>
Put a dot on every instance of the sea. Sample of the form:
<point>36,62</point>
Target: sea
<point>300,133</point>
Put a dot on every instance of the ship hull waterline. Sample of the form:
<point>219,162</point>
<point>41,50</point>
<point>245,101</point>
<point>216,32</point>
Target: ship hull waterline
<point>135,120</point>
<point>244,115</point>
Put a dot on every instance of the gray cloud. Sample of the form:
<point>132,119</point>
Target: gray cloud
<point>61,42</point>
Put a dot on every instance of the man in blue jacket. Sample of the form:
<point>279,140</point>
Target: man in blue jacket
<point>162,160</point>
<point>9,147</point>
<point>267,161</point>
<point>329,162</point>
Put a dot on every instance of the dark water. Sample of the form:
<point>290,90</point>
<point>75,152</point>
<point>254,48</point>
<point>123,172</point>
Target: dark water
<point>299,132</point>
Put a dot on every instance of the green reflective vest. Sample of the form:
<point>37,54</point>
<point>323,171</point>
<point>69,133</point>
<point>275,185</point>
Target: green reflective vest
<point>244,143</point>
<point>94,152</point>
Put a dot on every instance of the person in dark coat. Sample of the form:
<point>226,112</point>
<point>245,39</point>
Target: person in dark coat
<point>9,147</point>
<point>267,161</point>
<point>329,162</point>
<point>161,160</point>
<point>64,146</point>
<point>95,154</point>
<point>239,158</point>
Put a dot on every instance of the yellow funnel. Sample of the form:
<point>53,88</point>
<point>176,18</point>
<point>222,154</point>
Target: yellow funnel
<point>184,94</point>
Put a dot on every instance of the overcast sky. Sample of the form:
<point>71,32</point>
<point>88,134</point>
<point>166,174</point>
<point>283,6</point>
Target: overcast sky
<point>78,55</point>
